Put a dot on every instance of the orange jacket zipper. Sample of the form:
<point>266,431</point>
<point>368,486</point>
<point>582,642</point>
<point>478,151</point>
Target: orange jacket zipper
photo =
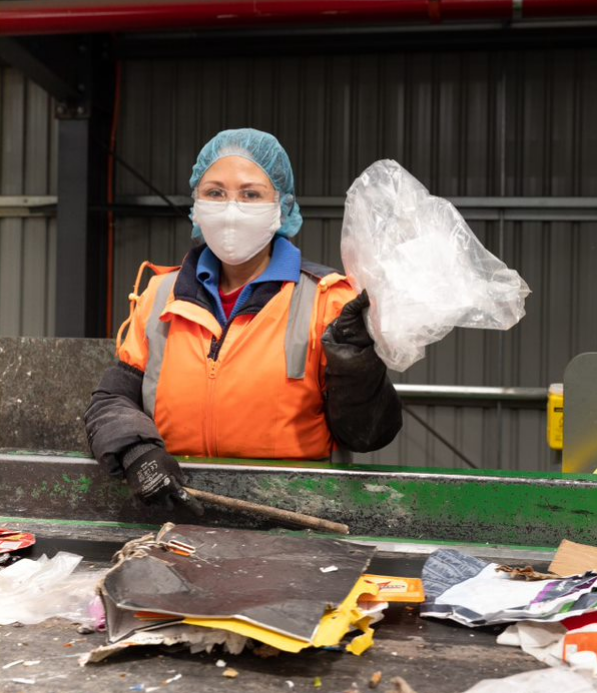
<point>210,438</point>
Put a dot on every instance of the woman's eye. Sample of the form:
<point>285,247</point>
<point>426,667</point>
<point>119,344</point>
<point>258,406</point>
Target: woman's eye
<point>251,195</point>
<point>214,194</point>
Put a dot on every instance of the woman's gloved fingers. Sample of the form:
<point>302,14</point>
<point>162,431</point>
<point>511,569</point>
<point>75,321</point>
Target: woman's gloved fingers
<point>154,477</point>
<point>350,327</point>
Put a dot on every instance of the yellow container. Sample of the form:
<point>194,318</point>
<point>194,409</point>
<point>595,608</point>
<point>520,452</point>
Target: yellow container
<point>555,416</point>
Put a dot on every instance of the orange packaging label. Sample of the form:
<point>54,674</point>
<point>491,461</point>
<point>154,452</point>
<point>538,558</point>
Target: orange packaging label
<point>396,589</point>
<point>13,541</point>
<point>579,642</point>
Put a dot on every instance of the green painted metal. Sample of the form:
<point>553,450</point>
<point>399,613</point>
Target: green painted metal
<point>328,466</point>
<point>476,508</point>
<point>92,524</point>
<point>92,528</point>
<point>526,509</point>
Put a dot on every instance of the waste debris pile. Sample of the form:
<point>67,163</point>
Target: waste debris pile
<point>205,586</point>
<point>32,591</point>
<point>553,615</point>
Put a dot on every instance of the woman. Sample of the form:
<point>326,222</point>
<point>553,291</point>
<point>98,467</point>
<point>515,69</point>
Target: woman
<point>247,350</point>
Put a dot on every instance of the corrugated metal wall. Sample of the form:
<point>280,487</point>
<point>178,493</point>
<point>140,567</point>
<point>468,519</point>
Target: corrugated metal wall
<point>466,124</point>
<point>28,146</point>
<point>443,117</point>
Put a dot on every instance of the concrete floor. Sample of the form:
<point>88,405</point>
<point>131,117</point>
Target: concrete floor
<point>434,657</point>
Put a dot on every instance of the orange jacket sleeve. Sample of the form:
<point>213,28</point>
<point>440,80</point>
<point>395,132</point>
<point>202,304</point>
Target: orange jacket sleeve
<point>134,350</point>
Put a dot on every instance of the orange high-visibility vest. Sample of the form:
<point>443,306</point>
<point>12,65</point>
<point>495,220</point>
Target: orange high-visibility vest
<point>263,396</point>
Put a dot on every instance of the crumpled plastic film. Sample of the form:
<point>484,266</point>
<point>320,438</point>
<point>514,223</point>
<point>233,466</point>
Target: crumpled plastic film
<point>33,591</point>
<point>424,269</point>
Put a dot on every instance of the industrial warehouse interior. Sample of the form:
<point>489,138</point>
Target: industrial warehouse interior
<point>298,345</point>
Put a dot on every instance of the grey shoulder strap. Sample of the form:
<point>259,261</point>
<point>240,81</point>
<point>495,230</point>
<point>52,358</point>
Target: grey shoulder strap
<point>157,334</point>
<point>297,342</point>
<point>299,322</point>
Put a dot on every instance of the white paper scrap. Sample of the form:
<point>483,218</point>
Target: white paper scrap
<point>558,680</point>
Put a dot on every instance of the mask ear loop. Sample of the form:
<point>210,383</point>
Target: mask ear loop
<point>286,205</point>
<point>196,233</point>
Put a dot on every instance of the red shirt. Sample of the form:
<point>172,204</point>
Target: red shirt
<point>229,300</point>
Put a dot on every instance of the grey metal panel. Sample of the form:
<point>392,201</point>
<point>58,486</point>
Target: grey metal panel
<point>10,276</point>
<point>441,116</point>
<point>164,241</point>
<point>27,246</point>
<point>27,277</point>
<point>438,114</point>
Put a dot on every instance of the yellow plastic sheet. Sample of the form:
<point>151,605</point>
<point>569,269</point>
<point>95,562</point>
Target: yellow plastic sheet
<point>331,629</point>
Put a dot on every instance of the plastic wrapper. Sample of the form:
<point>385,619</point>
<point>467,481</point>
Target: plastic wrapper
<point>33,591</point>
<point>424,269</point>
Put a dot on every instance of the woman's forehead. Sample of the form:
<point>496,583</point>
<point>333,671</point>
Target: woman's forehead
<point>236,168</point>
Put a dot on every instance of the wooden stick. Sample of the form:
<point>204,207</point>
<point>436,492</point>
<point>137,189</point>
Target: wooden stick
<point>286,516</point>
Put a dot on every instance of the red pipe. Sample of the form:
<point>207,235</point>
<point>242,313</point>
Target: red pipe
<point>24,17</point>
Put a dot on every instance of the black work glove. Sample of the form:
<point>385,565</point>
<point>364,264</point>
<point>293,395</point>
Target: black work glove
<point>155,477</point>
<point>350,327</point>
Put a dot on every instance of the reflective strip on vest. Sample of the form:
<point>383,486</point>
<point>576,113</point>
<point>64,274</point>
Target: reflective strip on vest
<point>157,334</point>
<point>299,322</point>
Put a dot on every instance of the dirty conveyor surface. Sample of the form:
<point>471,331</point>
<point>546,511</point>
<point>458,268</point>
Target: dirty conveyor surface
<point>433,656</point>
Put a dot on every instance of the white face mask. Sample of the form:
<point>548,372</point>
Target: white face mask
<point>236,231</point>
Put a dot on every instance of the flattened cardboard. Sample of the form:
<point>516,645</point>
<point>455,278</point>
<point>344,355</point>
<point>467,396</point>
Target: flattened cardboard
<point>270,580</point>
<point>574,559</point>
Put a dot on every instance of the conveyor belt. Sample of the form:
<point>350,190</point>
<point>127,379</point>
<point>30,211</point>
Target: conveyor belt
<point>433,656</point>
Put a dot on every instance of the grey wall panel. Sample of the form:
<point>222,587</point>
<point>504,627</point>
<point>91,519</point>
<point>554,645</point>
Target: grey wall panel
<point>452,119</point>
<point>466,124</point>
<point>440,115</point>
<point>163,241</point>
<point>27,277</point>
<point>11,265</point>
<point>27,245</point>
<point>443,116</point>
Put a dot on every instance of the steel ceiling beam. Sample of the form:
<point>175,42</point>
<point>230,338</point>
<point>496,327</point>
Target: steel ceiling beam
<point>23,17</point>
<point>33,60</point>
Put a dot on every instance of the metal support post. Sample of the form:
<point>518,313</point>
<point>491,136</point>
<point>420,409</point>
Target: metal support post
<point>72,247</point>
<point>78,72</point>
<point>82,187</point>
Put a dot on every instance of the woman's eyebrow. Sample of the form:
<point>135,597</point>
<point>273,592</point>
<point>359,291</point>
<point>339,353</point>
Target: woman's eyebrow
<point>244,185</point>
<point>213,182</point>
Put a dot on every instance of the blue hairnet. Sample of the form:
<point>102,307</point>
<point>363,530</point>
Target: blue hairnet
<point>264,150</point>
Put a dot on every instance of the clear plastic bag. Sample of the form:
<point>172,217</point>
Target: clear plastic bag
<point>424,269</point>
<point>32,591</point>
